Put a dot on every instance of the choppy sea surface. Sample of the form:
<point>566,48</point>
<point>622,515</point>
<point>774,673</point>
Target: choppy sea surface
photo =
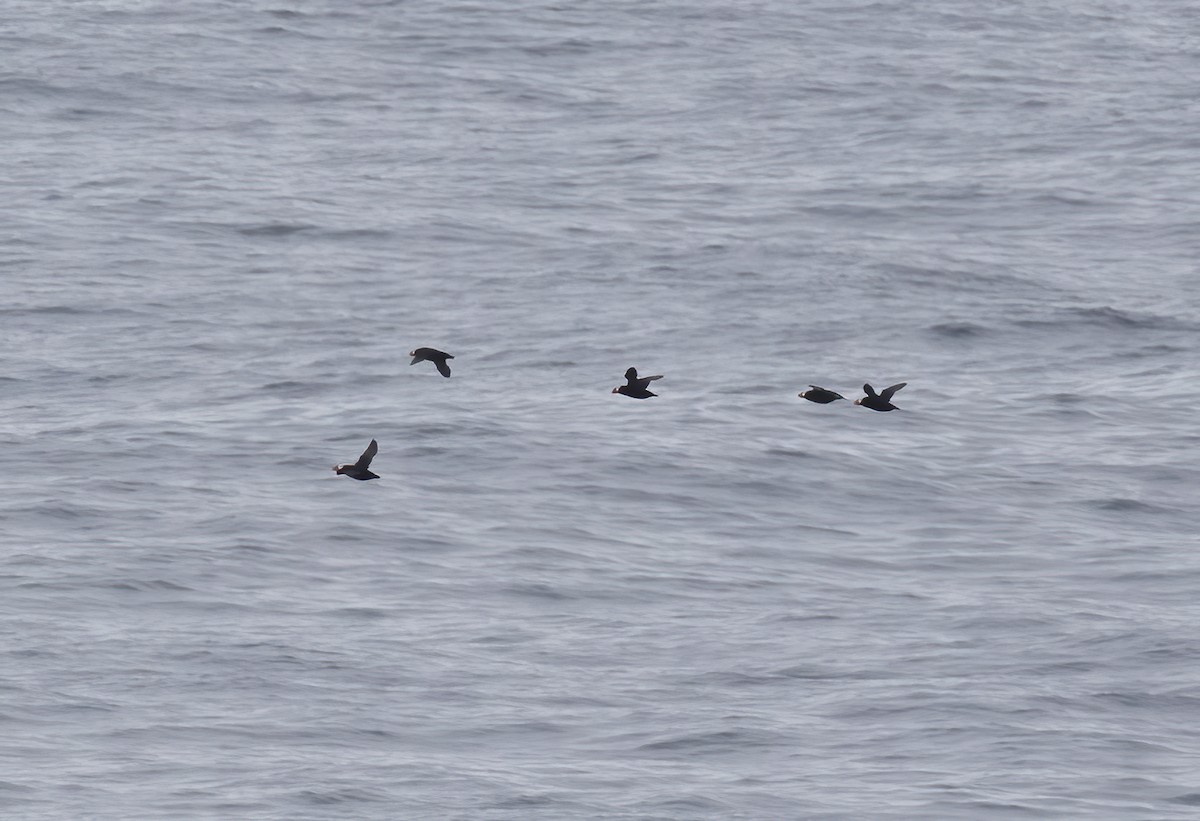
<point>224,225</point>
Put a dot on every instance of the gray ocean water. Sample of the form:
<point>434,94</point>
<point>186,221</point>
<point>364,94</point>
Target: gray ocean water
<point>224,225</point>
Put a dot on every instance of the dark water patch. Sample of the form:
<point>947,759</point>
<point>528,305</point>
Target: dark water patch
<point>358,233</point>
<point>1106,317</point>
<point>957,330</point>
<point>153,584</point>
<point>1124,505</point>
<point>800,618</point>
<point>12,787</point>
<point>62,512</point>
<point>646,156</point>
<point>343,796</point>
<point>504,639</point>
<point>374,734</point>
<point>27,652</point>
<point>277,31</point>
<point>101,380</point>
<point>1181,705</point>
<point>692,806</point>
<point>1049,671</point>
<point>1008,808</point>
<point>1191,799</point>
<point>50,310</point>
<point>810,672</point>
<point>1060,198</point>
<point>290,388</point>
<point>133,486</point>
<point>523,801</point>
<point>791,453</point>
<point>1109,317</point>
<point>358,612</point>
<point>73,310</point>
<point>107,182</point>
<point>570,46</point>
<point>1064,398</point>
<point>731,679</point>
<point>275,229</point>
<point>1152,351</point>
<point>536,590</point>
<point>712,743</point>
<point>1143,577</point>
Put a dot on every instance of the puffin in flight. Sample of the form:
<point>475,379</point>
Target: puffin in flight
<point>820,395</point>
<point>635,386</point>
<point>359,470</point>
<point>881,401</point>
<point>433,355</point>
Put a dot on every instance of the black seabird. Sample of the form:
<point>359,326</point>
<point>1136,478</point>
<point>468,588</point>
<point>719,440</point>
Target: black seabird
<point>820,395</point>
<point>359,469</point>
<point>635,386</point>
<point>881,402</point>
<point>433,355</point>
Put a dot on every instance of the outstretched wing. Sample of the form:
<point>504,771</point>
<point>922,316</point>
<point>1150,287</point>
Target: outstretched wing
<point>631,377</point>
<point>887,392</point>
<point>428,353</point>
<point>644,381</point>
<point>442,367</point>
<point>364,461</point>
<point>868,390</point>
<point>826,393</point>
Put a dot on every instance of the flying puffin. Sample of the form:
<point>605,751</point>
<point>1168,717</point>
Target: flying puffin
<point>359,470</point>
<point>880,402</point>
<point>820,395</point>
<point>433,355</point>
<point>635,386</point>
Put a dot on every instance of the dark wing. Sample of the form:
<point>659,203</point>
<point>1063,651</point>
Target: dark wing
<point>631,376</point>
<point>887,392</point>
<point>868,390</point>
<point>644,381</point>
<point>442,367</point>
<point>364,461</point>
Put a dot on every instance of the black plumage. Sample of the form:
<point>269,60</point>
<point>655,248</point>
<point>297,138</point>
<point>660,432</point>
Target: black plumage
<point>880,402</point>
<point>820,395</point>
<point>636,386</point>
<point>435,356</point>
<point>359,470</point>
